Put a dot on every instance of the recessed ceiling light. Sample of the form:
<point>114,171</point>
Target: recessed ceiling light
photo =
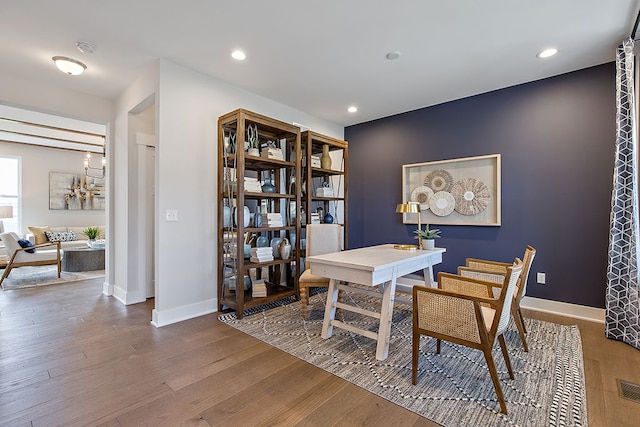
<point>85,47</point>
<point>69,66</point>
<point>392,55</point>
<point>352,109</point>
<point>547,53</point>
<point>239,55</point>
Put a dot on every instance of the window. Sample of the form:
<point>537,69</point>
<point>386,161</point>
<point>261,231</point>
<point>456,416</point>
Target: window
<point>10,191</point>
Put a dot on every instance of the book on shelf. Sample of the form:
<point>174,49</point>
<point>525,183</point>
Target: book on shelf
<point>272,219</point>
<point>258,288</point>
<point>324,192</point>
<point>264,254</point>
<point>272,153</point>
<point>315,218</point>
<point>252,185</point>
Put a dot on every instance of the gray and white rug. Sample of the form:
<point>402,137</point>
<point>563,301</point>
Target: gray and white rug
<point>30,277</point>
<point>454,388</point>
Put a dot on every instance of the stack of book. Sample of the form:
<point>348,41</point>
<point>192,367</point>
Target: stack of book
<point>263,254</point>
<point>273,219</point>
<point>324,192</point>
<point>252,185</point>
<point>315,218</point>
<point>259,289</point>
<point>272,153</point>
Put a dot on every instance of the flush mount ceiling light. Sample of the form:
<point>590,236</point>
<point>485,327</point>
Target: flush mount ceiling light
<point>352,109</point>
<point>239,55</point>
<point>69,66</point>
<point>547,53</point>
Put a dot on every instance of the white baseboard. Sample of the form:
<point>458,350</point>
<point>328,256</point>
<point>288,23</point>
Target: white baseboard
<point>122,295</point>
<point>166,317</point>
<point>107,289</point>
<point>575,311</point>
<point>563,309</point>
<point>119,294</point>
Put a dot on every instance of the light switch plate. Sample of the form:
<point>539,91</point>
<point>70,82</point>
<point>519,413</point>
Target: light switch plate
<point>172,215</point>
<point>542,278</point>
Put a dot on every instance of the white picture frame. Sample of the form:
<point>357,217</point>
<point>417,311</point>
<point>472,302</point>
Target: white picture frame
<point>465,191</point>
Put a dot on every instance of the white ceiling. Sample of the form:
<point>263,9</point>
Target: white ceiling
<point>317,56</point>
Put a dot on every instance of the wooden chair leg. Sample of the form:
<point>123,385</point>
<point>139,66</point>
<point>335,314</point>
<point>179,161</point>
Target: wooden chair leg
<point>524,327</point>
<point>494,377</point>
<point>304,300</point>
<point>7,269</point>
<point>438,346</point>
<point>505,354</point>
<point>517,317</point>
<point>414,360</point>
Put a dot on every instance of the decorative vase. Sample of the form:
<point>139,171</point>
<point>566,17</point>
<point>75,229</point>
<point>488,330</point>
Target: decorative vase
<point>268,186</point>
<point>257,218</point>
<point>226,217</point>
<point>328,218</point>
<point>275,246</point>
<point>428,243</point>
<point>284,248</point>
<point>325,160</point>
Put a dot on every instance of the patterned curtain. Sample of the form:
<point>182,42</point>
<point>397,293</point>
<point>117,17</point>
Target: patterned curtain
<point>622,319</point>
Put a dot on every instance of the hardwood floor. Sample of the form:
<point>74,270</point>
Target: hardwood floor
<point>74,357</point>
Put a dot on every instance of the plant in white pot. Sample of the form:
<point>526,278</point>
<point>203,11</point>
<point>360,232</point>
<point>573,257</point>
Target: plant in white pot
<point>427,236</point>
<point>92,234</point>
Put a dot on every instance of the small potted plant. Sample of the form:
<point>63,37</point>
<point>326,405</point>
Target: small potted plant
<point>92,234</point>
<point>427,236</point>
<point>254,140</point>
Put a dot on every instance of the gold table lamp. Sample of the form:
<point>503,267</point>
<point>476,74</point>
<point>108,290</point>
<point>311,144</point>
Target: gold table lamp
<point>414,208</point>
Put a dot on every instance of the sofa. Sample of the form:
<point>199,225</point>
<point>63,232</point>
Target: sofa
<point>69,236</point>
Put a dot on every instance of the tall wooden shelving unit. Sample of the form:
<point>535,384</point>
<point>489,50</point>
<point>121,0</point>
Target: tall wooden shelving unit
<point>335,178</point>
<point>234,165</point>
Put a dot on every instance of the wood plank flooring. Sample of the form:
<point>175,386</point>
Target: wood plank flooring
<point>70,356</point>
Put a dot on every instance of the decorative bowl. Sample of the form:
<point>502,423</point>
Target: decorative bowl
<point>97,244</point>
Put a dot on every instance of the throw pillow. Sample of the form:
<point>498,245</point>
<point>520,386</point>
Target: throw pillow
<point>60,236</point>
<point>27,244</point>
<point>38,234</point>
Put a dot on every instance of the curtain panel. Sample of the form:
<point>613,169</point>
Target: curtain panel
<point>622,313</point>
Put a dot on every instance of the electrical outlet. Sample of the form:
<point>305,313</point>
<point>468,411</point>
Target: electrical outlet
<point>542,278</point>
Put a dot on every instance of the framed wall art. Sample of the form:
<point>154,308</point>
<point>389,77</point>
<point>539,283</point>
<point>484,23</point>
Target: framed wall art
<point>462,191</point>
<point>74,191</point>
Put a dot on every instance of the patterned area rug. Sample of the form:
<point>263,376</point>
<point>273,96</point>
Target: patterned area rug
<point>30,277</point>
<point>454,388</point>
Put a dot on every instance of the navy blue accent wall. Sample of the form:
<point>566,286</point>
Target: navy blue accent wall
<point>556,137</point>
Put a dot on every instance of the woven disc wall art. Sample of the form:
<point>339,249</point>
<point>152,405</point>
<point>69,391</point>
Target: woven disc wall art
<point>422,195</point>
<point>442,203</point>
<point>439,180</point>
<point>471,195</point>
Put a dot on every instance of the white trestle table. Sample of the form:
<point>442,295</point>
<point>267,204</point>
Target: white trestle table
<point>375,266</point>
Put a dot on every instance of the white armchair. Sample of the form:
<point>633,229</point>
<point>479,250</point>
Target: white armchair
<point>20,257</point>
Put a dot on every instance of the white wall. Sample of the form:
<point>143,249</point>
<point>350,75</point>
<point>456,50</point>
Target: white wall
<point>188,106</point>
<point>125,286</point>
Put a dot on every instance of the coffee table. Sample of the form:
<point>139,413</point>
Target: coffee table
<point>82,259</point>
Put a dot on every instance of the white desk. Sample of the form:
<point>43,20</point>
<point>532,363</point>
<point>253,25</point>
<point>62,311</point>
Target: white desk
<point>377,266</point>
